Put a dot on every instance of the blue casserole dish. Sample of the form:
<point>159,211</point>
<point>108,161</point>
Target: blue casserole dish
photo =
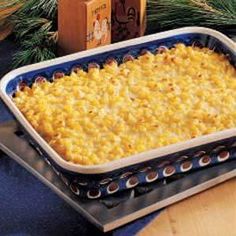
<point>102,180</point>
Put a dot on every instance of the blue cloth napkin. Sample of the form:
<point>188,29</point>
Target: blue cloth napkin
<point>5,115</point>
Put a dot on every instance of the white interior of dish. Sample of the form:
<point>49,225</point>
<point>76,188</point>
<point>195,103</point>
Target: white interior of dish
<point>131,160</point>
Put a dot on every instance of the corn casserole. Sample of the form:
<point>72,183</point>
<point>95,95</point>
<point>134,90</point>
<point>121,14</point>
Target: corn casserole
<point>155,100</point>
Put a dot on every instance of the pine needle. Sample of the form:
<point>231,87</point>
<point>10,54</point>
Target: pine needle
<point>39,8</point>
<point>38,46</point>
<point>165,14</point>
<point>35,28</point>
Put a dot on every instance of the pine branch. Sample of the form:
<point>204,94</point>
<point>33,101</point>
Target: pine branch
<point>35,28</point>
<point>25,26</point>
<point>49,8</point>
<point>40,8</point>
<point>176,13</point>
<point>32,55</point>
<point>36,47</point>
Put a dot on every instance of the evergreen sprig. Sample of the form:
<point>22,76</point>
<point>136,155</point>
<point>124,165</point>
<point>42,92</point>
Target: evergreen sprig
<point>40,8</point>
<point>35,29</point>
<point>36,47</point>
<point>165,14</point>
<point>25,26</point>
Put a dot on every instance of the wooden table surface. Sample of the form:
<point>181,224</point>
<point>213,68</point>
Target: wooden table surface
<point>210,213</point>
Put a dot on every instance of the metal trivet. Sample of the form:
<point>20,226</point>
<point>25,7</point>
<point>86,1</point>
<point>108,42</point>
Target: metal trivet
<point>113,211</point>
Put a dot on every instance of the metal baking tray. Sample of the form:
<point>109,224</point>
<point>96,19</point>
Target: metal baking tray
<point>114,211</point>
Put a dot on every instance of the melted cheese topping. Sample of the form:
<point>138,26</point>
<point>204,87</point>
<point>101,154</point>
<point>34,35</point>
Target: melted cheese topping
<point>106,114</point>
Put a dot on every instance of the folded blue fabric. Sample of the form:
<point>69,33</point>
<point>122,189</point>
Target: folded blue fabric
<point>27,207</point>
<point>4,113</point>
